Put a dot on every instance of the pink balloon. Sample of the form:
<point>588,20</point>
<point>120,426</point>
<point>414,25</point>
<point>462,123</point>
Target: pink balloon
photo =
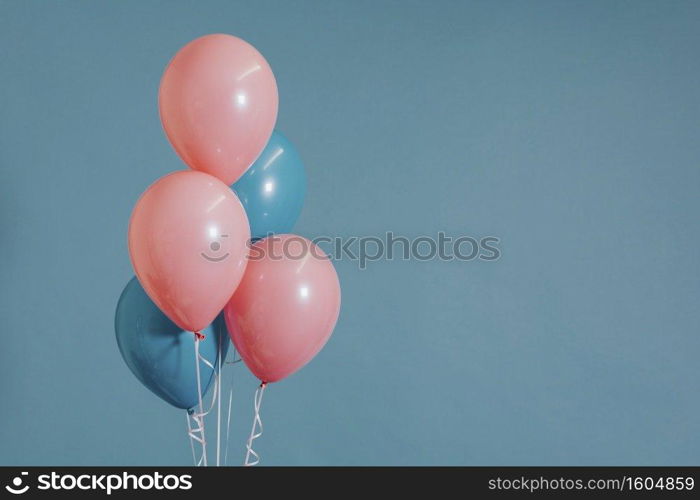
<point>188,242</point>
<point>218,104</point>
<point>285,308</point>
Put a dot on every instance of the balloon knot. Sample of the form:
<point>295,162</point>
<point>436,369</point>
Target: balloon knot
<point>199,336</point>
<point>262,384</point>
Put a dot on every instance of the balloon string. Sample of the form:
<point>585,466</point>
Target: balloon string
<point>218,407</point>
<point>228,416</point>
<point>197,432</point>
<point>255,434</point>
<point>189,433</point>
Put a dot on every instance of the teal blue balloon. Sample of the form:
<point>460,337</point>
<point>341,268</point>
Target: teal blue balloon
<point>272,190</point>
<point>160,353</point>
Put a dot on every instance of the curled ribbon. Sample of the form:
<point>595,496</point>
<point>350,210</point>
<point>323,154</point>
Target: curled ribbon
<point>196,432</point>
<point>254,433</point>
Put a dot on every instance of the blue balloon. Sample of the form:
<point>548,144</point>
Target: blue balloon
<point>272,190</point>
<point>160,353</point>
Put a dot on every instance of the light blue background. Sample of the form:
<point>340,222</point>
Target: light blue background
<point>571,130</point>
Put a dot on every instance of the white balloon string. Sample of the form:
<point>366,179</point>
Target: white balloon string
<point>218,406</point>
<point>189,433</point>
<point>199,417</point>
<point>197,432</point>
<point>194,434</point>
<point>230,401</point>
<point>255,434</point>
<point>228,421</point>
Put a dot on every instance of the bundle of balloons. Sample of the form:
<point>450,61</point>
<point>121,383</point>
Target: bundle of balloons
<point>210,245</point>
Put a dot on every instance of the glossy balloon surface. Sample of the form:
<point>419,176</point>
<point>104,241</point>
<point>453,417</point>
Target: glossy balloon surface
<point>160,353</point>
<point>218,105</point>
<point>272,190</point>
<point>285,308</point>
<point>188,242</point>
